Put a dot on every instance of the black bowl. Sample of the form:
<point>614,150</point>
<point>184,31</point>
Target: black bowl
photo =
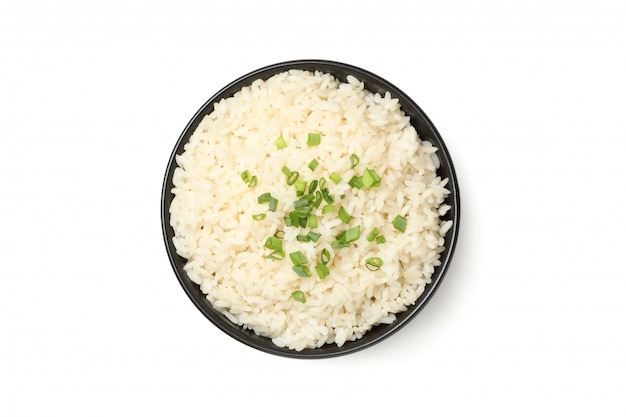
<point>425,129</point>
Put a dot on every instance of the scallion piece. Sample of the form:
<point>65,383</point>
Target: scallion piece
<point>259,216</point>
<point>400,223</point>
<point>303,238</point>
<point>314,139</point>
<point>314,236</point>
<point>370,179</point>
<point>312,221</point>
<point>288,221</point>
<point>264,198</point>
<point>354,160</point>
<point>254,181</point>
<point>329,208</point>
<point>277,255</point>
<point>352,234</point>
<point>297,258</point>
<point>372,235</point>
<point>322,183</point>
<point>302,212</point>
<point>302,270</point>
<point>326,196</point>
<point>273,204</point>
<point>286,171</point>
<point>245,176</point>
<point>356,182</point>
<point>313,186</point>
<point>336,244</point>
<point>313,164</point>
<point>299,296</point>
<point>344,215</point>
<point>380,239</point>
<point>373,264</point>
<point>274,243</point>
<point>292,178</point>
<point>334,177</point>
<point>318,199</point>
<point>322,271</point>
<point>300,185</point>
<point>303,202</point>
<point>325,256</point>
<point>281,143</point>
<point>279,234</point>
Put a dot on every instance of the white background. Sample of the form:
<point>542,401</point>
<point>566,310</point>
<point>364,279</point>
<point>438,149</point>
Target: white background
<point>529,97</point>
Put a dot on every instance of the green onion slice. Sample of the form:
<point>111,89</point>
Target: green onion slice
<point>299,296</point>
<point>314,236</point>
<point>312,221</point>
<point>302,270</point>
<point>259,216</point>
<point>352,234</point>
<point>322,271</point>
<point>313,164</point>
<point>297,258</point>
<point>354,160</point>
<point>370,179</point>
<point>372,235</point>
<point>245,176</point>
<point>356,182</point>
<point>277,255</point>
<point>344,215</point>
<point>264,198</point>
<point>334,177</point>
<point>313,186</point>
<point>400,223</point>
<point>325,256</point>
<point>274,243</point>
<point>303,238</point>
<point>254,181</point>
<point>292,178</point>
<point>314,139</point>
<point>281,142</point>
<point>380,239</point>
<point>273,204</point>
<point>373,264</point>
<point>329,208</point>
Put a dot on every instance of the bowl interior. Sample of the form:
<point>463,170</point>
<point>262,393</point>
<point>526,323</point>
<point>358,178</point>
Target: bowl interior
<point>425,129</point>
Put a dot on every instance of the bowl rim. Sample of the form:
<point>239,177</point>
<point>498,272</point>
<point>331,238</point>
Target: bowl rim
<point>377,333</point>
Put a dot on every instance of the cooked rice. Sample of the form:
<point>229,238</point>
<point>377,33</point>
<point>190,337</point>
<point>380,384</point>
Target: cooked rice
<point>212,209</point>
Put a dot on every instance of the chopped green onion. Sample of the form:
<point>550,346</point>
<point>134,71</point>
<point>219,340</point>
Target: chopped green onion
<point>400,223</point>
<point>373,264</point>
<point>339,244</point>
<point>322,271</point>
<point>313,164</point>
<point>259,216</point>
<point>370,179</point>
<point>327,197</point>
<point>352,234</point>
<point>303,238</point>
<point>322,183</point>
<point>281,143</point>
<point>264,198</point>
<point>312,220</point>
<point>286,171</point>
<point>274,243</point>
<point>344,215</point>
<point>297,258</point>
<point>356,182</point>
<point>299,296</point>
<point>303,202</point>
<point>302,270</point>
<point>314,236</point>
<point>314,139</point>
<point>313,186</point>
<point>302,221</point>
<point>318,199</point>
<point>245,176</point>
<point>277,255</point>
<point>334,177</point>
<point>292,178</point>
<point>325,256</point>
<point>288,221</point>
<point>254,181</point>
<point>302,212</point>
<point>373,234</point>
<point>300,185</point>
<point>354,160</point>
<point>329,208</point>
<point>273,204</point>
<point>279,234</point>
<point>380,239</point>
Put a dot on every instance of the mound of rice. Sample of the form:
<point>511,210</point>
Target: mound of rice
<point>212,209</point>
